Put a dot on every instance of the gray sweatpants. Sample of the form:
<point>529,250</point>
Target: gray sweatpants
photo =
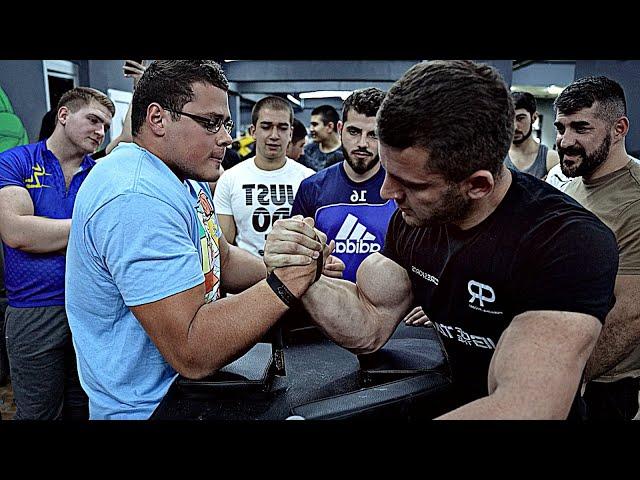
<point>42,365</point>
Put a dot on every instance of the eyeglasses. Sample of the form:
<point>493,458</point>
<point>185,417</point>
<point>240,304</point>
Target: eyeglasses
<point>211,125</point>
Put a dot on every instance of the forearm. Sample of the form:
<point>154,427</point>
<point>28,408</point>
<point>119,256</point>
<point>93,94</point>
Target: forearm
<point>252,270</point>
<point>619,337</point>
<point>503,407</point>
<point>340,310</point>
<point>224,330</point>
<point>621,330</point>
<point>34,234</point>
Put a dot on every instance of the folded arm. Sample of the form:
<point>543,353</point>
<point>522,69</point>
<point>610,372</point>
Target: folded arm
<point>23,230</point>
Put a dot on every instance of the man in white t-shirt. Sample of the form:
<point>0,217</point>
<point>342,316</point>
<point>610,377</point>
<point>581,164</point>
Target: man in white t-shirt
<point>255,193</point>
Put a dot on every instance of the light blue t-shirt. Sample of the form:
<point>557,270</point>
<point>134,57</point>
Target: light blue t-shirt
<point>138,235</point>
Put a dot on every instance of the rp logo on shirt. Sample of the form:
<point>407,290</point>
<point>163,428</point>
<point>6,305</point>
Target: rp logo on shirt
<point>481,292</point>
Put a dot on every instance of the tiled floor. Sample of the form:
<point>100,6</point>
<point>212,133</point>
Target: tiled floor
<point>7,406</point>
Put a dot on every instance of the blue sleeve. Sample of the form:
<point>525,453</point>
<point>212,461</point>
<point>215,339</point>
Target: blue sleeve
<point>301,203</point>
<point>147,247</point>
<point>12,168</point>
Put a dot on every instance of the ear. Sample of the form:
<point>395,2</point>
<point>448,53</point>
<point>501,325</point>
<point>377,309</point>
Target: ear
<point>620,128</point>
<point>340,127</point>
<point>156,119</point>
<point>478,185</point>
<point>534,117</point>
<point>63,113</point>
<point>252,131</point>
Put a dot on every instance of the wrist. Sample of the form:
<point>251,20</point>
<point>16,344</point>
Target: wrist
<point>281,290</point>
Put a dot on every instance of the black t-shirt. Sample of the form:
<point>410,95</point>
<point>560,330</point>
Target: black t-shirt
<point>539,250</point>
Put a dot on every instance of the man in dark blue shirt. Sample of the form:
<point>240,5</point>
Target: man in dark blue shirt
<point>324,150</point>
<point>344,199</point>
<point>38,186</point>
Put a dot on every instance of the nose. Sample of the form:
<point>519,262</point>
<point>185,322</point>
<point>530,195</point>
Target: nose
<point>224,139</point>
<point>362,141</point>
<point>390,189</point>
<point>100,130</point>
<point>565,140</point>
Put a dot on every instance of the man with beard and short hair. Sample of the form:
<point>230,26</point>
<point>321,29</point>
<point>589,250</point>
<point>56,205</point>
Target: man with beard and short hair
<point>344,199</point>
<point>488,252</point>
<point>592,124</point>
<point>525,153</point>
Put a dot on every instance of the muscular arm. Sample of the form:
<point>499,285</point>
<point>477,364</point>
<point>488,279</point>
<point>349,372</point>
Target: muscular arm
<point>362,316</point>
<point>228,226</point>
<point>21,229</point>
<point>197,339</point>
<point>621,331</point>
<point>536,368</point>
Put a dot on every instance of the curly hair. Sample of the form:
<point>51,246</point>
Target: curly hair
<point>365,101</point>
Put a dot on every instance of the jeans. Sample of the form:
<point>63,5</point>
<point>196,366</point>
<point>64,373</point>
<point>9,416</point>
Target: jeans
<point>42,365</point>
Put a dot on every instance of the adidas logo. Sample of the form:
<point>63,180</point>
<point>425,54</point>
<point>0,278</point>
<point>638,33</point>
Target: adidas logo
<point>353,238</point>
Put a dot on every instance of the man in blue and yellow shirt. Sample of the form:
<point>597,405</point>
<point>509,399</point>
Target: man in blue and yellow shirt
<point>38,186</point>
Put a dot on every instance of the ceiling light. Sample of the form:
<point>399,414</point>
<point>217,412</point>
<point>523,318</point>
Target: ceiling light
<point>554,89</point>
<point>293,99</point>
<point>343,94</point>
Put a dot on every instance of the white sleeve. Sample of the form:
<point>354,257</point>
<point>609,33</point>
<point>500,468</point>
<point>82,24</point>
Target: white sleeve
<point>222,197</point>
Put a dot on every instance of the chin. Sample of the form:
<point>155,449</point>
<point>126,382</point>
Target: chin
<point>412,221</point>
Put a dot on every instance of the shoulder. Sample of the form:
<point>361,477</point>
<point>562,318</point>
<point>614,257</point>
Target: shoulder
<point>20,153</point>
<point>553,158</point>
<point>543,207</point>
<point>294,166</point>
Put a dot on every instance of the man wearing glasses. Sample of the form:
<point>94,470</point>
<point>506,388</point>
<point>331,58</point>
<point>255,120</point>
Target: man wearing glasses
<point>146,257</point>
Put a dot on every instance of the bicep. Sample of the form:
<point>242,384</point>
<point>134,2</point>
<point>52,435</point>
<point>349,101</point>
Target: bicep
<point>373,279</point>
<point>167,321</point>
<point>539,360</point>
<point>15,200</point>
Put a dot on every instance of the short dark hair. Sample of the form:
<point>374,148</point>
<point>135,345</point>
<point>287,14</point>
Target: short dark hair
<point>365,101</point>
<point>299,131</point>
<point>169,83</point>
<point>328,114</point>
<point>524,100</point>
<point>461,112</point>
<point>274,103</point>
<point>583,93</point>
<point>78,97</point>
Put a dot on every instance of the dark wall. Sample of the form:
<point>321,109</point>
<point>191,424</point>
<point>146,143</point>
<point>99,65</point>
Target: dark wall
<point>23,82</point>
<point>627,74</point>
<point>105,74</point>
<point>505,67</point>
